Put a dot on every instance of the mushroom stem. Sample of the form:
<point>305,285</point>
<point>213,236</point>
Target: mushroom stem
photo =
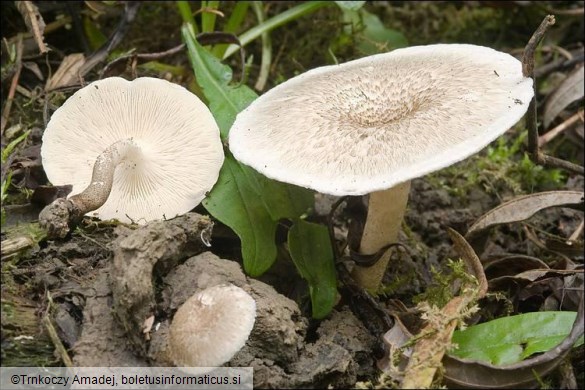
<point>385,213</point>
<point>63,214</point>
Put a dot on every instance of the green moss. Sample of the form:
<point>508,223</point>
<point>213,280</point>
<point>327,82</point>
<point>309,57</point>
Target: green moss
<point>503,167</point>
<point>441,291</point>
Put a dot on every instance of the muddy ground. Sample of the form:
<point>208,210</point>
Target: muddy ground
<point>62,299</point>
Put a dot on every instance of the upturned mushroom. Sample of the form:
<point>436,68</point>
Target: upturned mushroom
<point>211,326</point>
<point>371,125</point>
<point>135,151</point>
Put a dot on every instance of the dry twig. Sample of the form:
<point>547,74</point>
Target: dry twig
<point>34,22</point>
<point>549,135</point>
<point>13,85</point>
<point>528,70</point>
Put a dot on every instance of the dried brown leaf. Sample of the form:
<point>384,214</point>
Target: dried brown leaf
<point>68,72</point>
<point>512,265</point>
<point>524,207</point>
<point>570,90</point>
<point>34,22</point>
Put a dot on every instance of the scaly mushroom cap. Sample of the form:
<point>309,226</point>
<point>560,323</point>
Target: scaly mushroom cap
<point>372,123</point>
<point>175,158</point>
<point>211,326</point>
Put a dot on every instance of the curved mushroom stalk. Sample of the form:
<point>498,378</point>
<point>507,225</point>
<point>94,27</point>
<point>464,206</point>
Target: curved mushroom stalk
<point>385,214</point>
<point>162,138</point>
<point>63,214</point>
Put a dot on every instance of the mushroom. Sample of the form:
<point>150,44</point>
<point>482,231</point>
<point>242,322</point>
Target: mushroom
<point>211,326</point>
<point>132,150</point>
<point>371,125</point>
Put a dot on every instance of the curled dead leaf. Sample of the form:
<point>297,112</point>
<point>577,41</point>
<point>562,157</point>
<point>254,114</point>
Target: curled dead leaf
<point>524,207</point>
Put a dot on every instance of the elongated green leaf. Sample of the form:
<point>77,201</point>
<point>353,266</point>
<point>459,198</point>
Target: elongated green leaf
<point>278,20</point>
<point>243,199</point>
<point>233,24</point>
<point>512,339</point>
<point>311,252</point>
<point>234,202</point>
<point>225,101</point>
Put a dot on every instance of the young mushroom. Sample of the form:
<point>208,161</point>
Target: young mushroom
<point>135,151</point>
<point>211,326</point>
<point>371,125</point>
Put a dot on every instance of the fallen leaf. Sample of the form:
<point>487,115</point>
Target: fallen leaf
<point>469,373</point>
<point>524,207</point>
<point>34,22</point>
<point>512,339</point>
<point>570,90</point>
<point>68,72</point>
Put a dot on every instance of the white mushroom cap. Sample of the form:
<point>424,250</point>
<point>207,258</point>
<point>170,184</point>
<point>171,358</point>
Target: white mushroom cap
<point>175,158</point>
<point>372,123</point>
<point>211,326</point>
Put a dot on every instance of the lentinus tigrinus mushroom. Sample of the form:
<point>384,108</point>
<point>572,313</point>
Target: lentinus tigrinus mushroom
<point>135,151</point>
<point>371,125</point>
<point>211,326</point>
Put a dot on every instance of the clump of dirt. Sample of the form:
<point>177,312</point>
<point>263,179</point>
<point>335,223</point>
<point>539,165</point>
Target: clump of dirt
<point>135,287</point>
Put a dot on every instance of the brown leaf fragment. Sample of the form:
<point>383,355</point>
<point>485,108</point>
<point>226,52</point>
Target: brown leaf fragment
<point>471,259</point>
<point>68,72</point>
<point>433,342</point>
<point>524,207</point>
<point>396,341</point>
<point>34,22</point>
<point>570,90</point>
<point>512,265</point>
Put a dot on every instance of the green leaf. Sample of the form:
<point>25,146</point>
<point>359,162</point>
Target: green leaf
<point>7,151</point>
<point>225,101</point>
<point>233,24</point>
<point>512,339</point>
<point>376,38</point>
<point>234,201</point>
<point>187,14</point>
<point>94,36</point>
<point>246,201</point>
<point>278,20</point>
<point>311,251</point>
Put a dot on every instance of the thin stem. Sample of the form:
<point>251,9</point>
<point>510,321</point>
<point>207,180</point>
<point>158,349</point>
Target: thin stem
<point>208,16</point>
<point>276,21</point>
<point>528,71</point>
<point>13,84</point>
<point>187,14</point>
<point>385,214</point>
<point>233,25</point>
<point>266,49</point>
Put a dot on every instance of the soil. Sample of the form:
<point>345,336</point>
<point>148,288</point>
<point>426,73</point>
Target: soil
<point>99,285</point>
